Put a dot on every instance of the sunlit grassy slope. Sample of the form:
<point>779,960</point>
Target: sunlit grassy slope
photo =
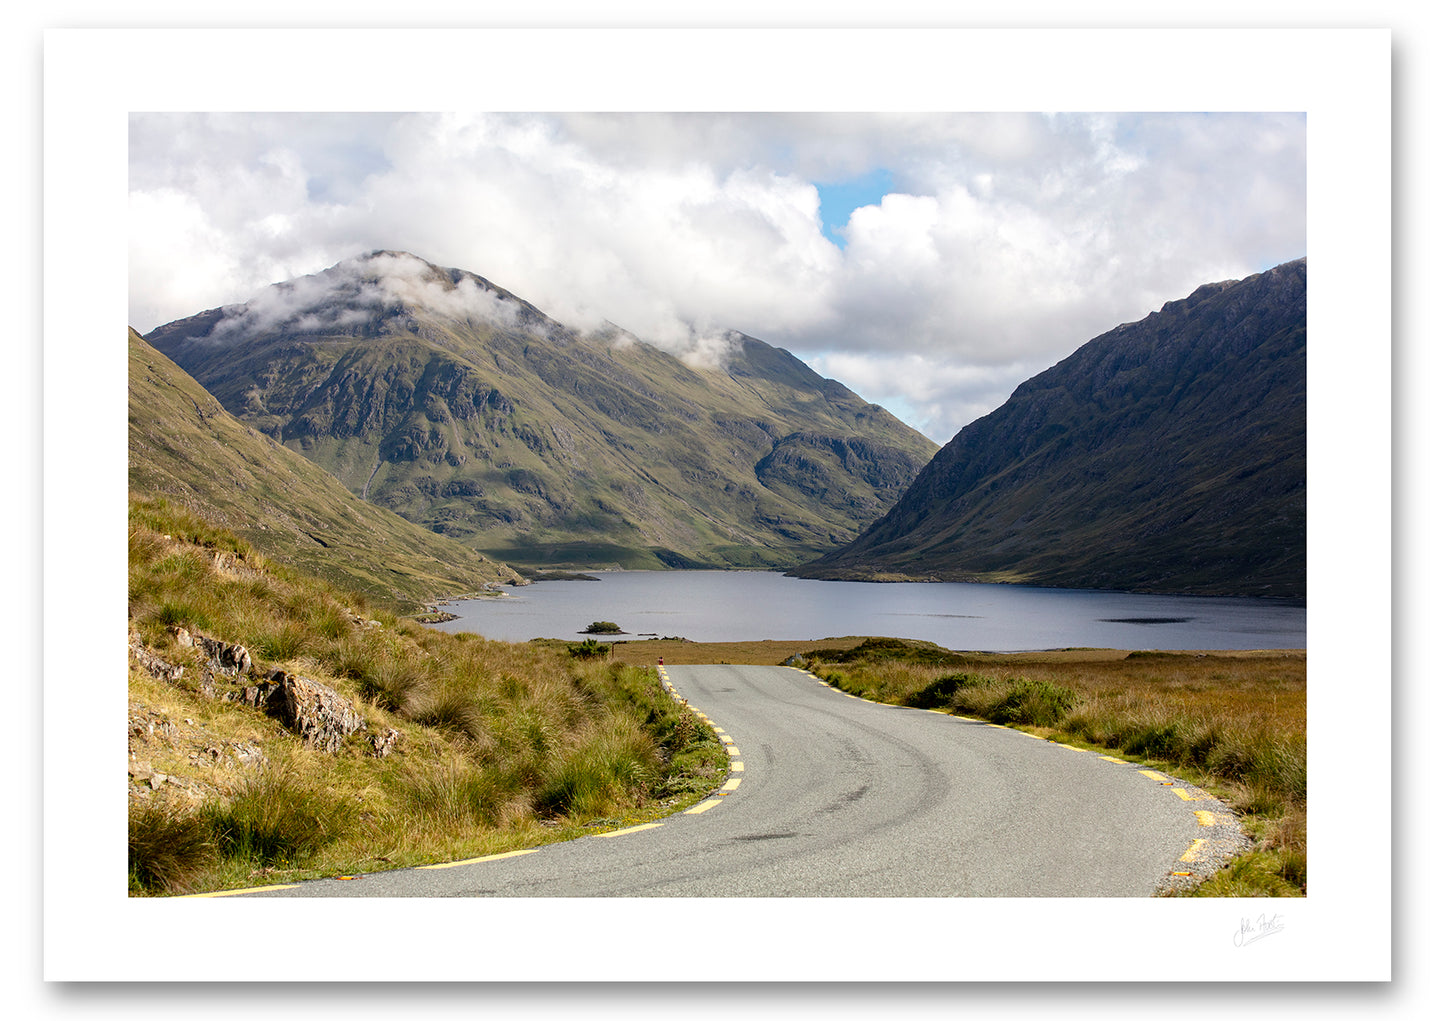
<point>498,745</point>
<point>186,447</point>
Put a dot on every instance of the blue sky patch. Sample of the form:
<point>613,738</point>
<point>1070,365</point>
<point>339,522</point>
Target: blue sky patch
<point>839,200</point>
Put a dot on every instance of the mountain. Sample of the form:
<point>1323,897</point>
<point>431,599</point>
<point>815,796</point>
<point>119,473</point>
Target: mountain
<point>186,448</point>
<point>438,395</point>
<point>1167,455</point>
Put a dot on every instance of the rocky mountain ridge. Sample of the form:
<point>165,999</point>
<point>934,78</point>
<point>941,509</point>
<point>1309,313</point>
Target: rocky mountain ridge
<point>438,395</point>
<point>1166,455</point>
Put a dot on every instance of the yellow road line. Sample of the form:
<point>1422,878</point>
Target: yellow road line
<point>1205,818</point>
<point>1110,758</point>
<point>737,767</point>
<point>733,784</point>
<point>233,893</point>
<point>1183,794</point>
<point>733,749</point>
<point>699,809</point>
<point>1193,853</point>
<point>485,857</point>
<point>1155,776</point>
<point>630,829</point>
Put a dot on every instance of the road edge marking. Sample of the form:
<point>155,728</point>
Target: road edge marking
<point>735,764</point>
<point>476,861</point>
<point>630,829</point>
<point>234,893</point>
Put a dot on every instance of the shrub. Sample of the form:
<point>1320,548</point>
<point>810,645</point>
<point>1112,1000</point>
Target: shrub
<point>602,627</point>
<point>941,691</point>
<point>590,649</point>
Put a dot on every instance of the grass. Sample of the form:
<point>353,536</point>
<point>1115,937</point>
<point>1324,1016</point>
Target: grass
<point>1234,723</point>
<point>501,745</point>
<point>507,745</point>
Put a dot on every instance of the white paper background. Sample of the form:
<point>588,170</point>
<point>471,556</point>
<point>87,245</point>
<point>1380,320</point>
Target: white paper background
<point>1343,931</point>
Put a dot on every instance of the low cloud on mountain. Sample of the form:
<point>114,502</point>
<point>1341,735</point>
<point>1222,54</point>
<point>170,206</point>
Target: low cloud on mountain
<point>1004,241</point>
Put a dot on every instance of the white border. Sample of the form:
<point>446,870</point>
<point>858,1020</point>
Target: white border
<point>94,78</point>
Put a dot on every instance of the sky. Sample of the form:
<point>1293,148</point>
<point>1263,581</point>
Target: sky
<point>931,262</point>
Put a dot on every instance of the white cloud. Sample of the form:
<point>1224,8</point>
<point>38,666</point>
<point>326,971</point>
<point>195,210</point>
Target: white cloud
<point>933,394</point>
<point>357,289</point>
<point>1009,241</point>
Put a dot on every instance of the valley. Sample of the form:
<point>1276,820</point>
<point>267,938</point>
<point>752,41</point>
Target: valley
<point>310,469</point>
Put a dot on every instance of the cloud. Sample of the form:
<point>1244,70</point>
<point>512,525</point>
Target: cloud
<point>359,289</point>
<point>1006,241</point>
<point>933,395</point>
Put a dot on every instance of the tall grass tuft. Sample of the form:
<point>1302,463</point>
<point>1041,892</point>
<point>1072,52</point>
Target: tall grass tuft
<point>1033,703</point>
<point>277,819</point>
<point>456,797</point>
<point>169,849</point>
<point>456,712</point>
<point>615,770</point>
<point>395,684</point>
<point>281,640</point>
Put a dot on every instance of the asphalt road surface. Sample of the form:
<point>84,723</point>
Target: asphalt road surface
<point>833,796</point>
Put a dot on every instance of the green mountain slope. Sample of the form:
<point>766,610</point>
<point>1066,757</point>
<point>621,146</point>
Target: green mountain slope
<point>1166,455</point>
<point>452,402</point>
<point>186,448</point>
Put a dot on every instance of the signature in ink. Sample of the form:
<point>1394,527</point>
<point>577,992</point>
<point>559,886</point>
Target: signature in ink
<point>1252,929</point>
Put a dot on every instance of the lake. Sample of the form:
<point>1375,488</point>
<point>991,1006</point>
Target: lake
<point>724,606</point>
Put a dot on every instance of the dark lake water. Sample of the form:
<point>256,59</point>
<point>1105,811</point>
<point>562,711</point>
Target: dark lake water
<point>723,606</point>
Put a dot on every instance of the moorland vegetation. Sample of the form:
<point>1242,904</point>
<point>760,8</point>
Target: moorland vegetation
<point>494,746</point>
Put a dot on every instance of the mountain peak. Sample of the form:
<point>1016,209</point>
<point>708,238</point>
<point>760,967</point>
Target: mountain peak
<point>454,403</point>
<point>364,295</point>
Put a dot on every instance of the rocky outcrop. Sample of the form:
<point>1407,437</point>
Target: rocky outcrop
<point>152,664</point>
<point>320,715</point>
<point>223,659</point>
<point>383,743</point>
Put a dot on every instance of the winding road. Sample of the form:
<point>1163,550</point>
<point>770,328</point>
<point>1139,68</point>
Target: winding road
<point>834,796</point>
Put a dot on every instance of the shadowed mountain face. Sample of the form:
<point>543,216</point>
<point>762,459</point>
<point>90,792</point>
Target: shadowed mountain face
<point>1167,455</point>
<point>452,402</point>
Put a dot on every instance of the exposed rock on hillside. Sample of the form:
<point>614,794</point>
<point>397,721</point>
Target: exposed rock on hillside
<point>316,713</point>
